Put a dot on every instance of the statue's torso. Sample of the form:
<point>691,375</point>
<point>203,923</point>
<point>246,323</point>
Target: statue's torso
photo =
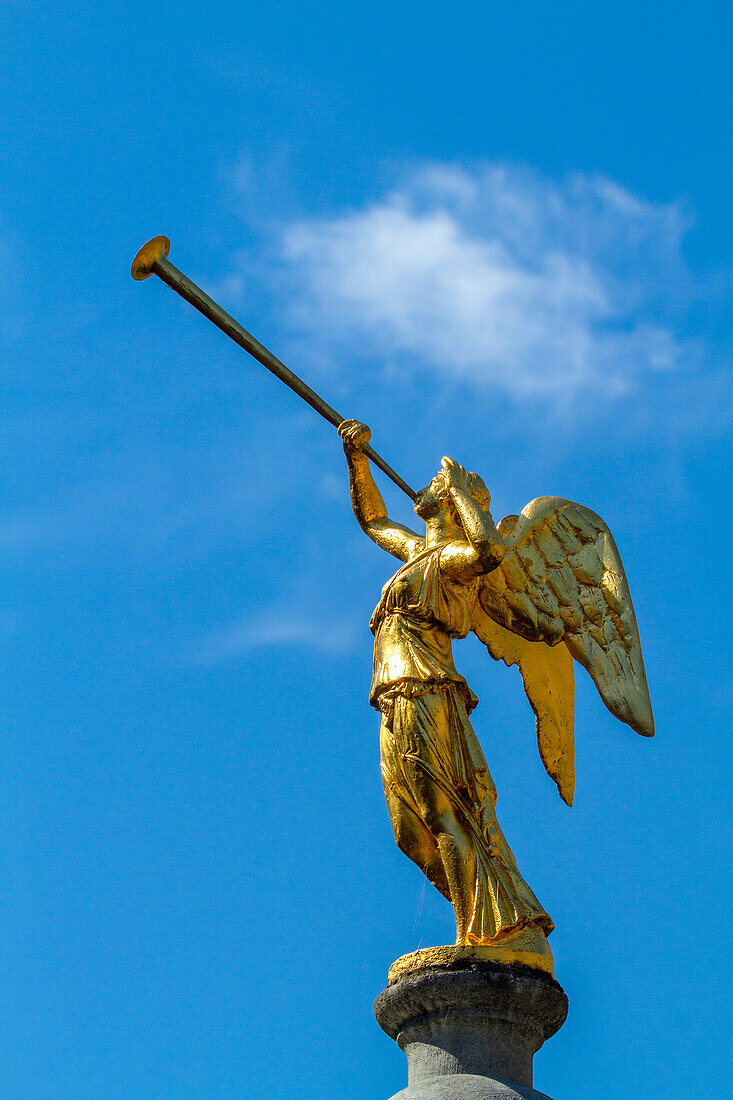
<point>420,610</point>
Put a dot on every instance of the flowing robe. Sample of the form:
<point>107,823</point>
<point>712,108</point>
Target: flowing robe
<point>430,753</point>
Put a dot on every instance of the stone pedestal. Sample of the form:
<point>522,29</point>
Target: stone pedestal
<point>470,1028</point>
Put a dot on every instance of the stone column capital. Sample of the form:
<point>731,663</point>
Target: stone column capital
<point>470,1028</point>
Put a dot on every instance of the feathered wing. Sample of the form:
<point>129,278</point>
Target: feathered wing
<point>562,580</point>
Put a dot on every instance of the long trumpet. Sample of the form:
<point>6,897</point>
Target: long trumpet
<point>152,259</point>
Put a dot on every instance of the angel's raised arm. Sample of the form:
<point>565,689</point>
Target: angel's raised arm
<point>366,500</point>
<point>484,548</point>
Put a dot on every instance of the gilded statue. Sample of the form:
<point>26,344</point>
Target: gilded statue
<point>539,589</point>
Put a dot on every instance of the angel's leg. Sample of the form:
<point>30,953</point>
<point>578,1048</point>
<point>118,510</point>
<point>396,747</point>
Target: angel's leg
<point>426,801</point>
<point>460,870</point>
<point>455,845</point>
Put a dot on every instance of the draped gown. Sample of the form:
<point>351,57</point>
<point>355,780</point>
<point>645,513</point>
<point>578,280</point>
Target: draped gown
<point>430,753</point>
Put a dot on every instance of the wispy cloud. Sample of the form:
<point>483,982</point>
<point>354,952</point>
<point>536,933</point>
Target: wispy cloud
<point>496,277</point>
<point>279,627</point>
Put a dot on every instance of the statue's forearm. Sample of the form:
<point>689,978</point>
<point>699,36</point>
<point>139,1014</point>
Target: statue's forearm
<point>366,499</point>
<point>478,527</point>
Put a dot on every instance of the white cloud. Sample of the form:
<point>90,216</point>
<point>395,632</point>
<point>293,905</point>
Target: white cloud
<point>496,277</point>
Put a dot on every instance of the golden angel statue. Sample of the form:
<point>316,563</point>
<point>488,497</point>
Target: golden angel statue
<point>540,589</point>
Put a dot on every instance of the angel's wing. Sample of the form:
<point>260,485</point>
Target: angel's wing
<point>562,580</point>
<point>549,681</point>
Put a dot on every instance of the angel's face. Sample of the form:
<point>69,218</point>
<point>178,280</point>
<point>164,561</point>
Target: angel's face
<point>434,498</point>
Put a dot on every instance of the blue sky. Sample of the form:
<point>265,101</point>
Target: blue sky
<point>496,231</point>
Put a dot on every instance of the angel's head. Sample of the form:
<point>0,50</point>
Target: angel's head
<point>435,500</point>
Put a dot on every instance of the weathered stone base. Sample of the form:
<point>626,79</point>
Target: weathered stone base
<point>470,1028</point>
